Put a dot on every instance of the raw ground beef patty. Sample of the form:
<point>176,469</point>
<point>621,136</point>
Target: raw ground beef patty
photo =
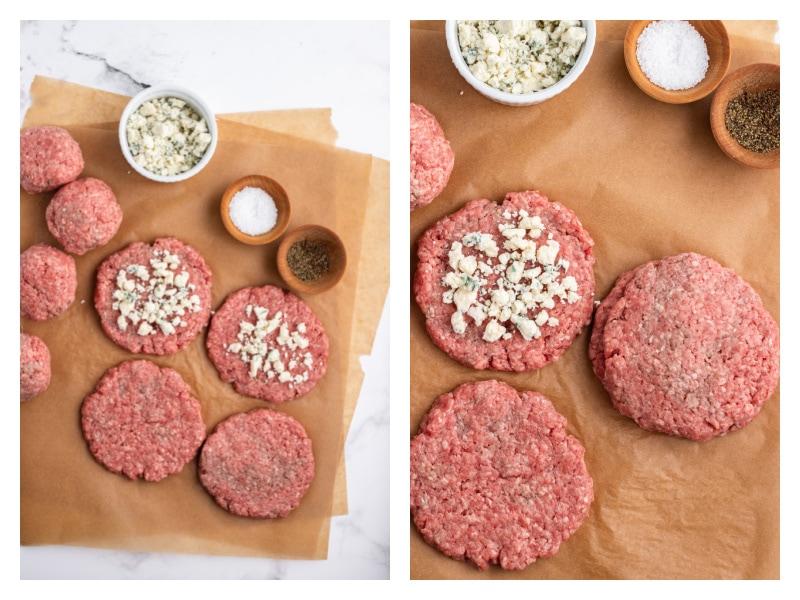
<point>684,346</point>
<point>83,215</point>
<point>432,158</point>
<point>34,366</point>
<point>49,157</point>
<point>154,299</point>
<point>495,478</point>
<point>142,421</point>
<point>268,343</point>
<point>257,464</point>
<point>48,280</point>
<point>506,286</point>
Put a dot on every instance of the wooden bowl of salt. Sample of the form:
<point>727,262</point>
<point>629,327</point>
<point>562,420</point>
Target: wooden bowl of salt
<point>671,68</point>
<point>255,209</point>
<point>311,259</point>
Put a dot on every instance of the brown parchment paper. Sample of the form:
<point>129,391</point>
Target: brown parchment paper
<point>647,180</point>
<point>69,501</point>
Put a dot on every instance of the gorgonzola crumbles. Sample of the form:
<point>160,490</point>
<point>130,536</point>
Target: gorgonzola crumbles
<point>520,57</point>
<point>166,136</point>
<point>513,283</point>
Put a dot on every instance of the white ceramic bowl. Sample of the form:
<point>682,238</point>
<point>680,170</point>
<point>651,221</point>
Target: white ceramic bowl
<point>168,91</point>
<point>521,99</point>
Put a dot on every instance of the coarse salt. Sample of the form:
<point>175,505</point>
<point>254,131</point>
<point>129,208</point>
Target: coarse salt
<point>672,54</point>
<point>253,211</point>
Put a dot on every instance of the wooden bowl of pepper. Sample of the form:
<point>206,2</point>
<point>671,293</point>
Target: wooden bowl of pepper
<point>311,259</point>
<point>746,115</point>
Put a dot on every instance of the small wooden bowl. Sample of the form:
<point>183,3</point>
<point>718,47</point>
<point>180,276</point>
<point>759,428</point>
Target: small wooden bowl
<point>278,194</point>
<point>337,259</point>
<point>719,59</point>
<point>751,78</point>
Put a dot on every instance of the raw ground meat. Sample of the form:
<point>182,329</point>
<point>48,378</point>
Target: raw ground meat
<point>688,349</point>
<point>495,478</point>
<point>83,215</point>
<point>142,421</point>
<point>289,330</point>
<point>257,464</point>
<point>48,280</point>
<point>596,354</point>
<point>49,157</point>
<point>432,158</point>
<point>512,352</point>
<point>159,341</point>
<point>34,366</point>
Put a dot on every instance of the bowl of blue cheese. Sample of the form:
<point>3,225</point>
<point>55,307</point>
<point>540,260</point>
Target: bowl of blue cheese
<point>520,63</point>
<point>167,133</point>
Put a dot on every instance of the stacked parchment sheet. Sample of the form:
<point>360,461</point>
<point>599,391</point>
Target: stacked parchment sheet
<point>66,497</point>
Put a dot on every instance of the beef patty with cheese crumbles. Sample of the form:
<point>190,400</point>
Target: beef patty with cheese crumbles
<point>268,343</point>
<point>506,286</point>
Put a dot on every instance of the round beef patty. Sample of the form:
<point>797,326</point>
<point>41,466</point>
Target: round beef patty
<point>154,299</point>
<point>506,286</point>
<point>495,478</point>
<point>34,366</point>
<point>688,349</point>
<point>142,421</point>
<point>257,464</point>
<point>48,280</point>
<point>432,158</point>
<point>49,157</point>
<point>268,343</point>
<point>83,215</point>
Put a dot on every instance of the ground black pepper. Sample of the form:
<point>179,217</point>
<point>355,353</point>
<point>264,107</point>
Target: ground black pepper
<point>754,119</point>
<point>308,259</point>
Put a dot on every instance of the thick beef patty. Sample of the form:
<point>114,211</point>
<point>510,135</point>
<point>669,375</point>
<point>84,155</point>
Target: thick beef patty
<point>257,464</point>
<point>142,421</point>
<point>684,346</point>
<point>495,478</point>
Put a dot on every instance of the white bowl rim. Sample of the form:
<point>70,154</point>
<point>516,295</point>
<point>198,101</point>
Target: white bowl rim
<point>531,97</point>
<point>162,90</point>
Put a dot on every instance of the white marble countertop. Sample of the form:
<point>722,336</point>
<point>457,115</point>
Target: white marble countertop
<point>249,66</point>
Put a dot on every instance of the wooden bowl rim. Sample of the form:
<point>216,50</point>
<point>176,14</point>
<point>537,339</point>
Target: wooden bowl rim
<point>736,82</point>
<point>338,254</point>
<point>279,196</point>
<point>716,72</point>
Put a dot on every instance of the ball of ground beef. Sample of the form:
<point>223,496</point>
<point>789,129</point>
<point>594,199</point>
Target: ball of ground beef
<point>34,366</point>
<point>432,158</point>
<point>49,157</point>
<point>83,215</point>
<point>47,282</point>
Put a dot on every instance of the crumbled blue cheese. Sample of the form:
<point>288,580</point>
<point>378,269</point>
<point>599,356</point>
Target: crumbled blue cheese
<point>166,136</point>
<point>517,290</point>
<point>520,57</point>
<point>277,357</point>
<point>154,299</point>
